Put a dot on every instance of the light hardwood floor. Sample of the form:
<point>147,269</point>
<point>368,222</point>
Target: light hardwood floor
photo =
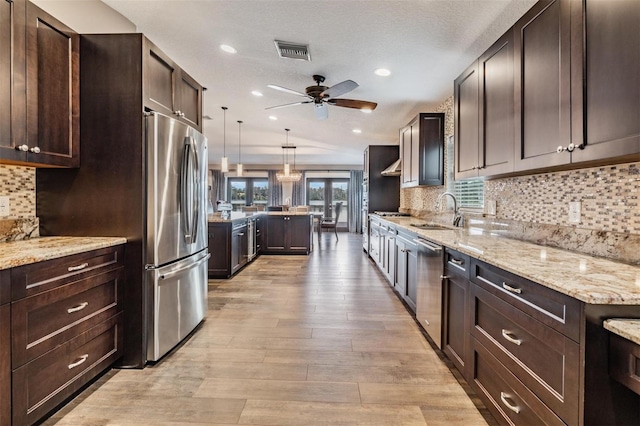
<point>292,340</point>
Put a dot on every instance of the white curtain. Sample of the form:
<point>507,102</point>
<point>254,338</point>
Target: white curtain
<point>275,189</point>
<point>298,192</point>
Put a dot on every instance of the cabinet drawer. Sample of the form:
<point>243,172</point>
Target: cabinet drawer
<point>42,276</point>
<point>505,396</point>
<point>624,362</point>
<point>51,378</point>
<point>554,309</point>
<point>456,263</point>
<point>48,319</point>
<point>547,362</point>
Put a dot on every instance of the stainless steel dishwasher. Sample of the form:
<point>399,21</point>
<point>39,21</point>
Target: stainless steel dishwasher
<point>429,297</point>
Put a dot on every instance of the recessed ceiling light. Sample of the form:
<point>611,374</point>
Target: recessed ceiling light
<point>273,117</point>
<point>358,131</point>
<point>367,110</point>
<point>228,49</point>
<point>382,72</point>
<point>256,93</point>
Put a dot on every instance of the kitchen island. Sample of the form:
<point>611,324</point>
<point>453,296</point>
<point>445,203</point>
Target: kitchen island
<point>236,241</point>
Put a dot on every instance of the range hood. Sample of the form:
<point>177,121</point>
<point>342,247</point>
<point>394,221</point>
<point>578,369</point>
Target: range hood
<point>393,170</point>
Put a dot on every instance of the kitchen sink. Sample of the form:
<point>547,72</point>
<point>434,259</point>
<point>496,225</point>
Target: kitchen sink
<point>430,227</point>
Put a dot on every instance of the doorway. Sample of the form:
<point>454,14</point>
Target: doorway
<point>324,193</point>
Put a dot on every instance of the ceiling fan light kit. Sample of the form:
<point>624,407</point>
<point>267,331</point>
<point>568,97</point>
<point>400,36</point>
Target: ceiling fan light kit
<point>321,96</point>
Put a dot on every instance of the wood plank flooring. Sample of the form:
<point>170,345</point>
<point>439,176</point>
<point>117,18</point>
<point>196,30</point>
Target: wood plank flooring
<point>292,340</point>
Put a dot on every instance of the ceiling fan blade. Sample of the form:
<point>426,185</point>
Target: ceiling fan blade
<point>291,104</point>
<point>284,89</point>
<point>352,103</point>
<point>339,89</point>
<point>322,112</point>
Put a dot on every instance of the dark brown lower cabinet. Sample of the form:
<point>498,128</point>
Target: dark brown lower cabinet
<point>220,249</point>
<point>239,248</point>
<point>624,362</point>
<point>5,364</point>
<point>287,234</point>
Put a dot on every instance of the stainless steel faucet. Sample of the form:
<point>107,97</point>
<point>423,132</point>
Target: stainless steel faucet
<point>457,217</point>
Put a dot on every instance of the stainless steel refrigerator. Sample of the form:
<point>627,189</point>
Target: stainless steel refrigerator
<point>176,243</point>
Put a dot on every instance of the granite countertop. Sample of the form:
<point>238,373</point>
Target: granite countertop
<point>18,253</point>
<point>627,328</point>
<point>242,215</point>
<point>589,279</point>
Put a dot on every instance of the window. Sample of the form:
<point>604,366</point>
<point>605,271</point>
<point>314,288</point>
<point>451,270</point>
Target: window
<point>247,191</point>
<point>324,193</point>
<point>470,193</point>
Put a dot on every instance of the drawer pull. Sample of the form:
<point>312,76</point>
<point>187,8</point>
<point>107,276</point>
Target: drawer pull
<point>507,335</point>
<point>78,308</point>
<point>505,400</point>
<point>457,262</point>
<point>511,289</point>
<point>77,268</point>
<point>80,361</point>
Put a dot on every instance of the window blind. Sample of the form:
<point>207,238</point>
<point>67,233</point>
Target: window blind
<point>470,193</point>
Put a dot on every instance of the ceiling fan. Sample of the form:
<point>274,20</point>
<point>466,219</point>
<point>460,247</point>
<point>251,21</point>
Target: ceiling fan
<point>321,96</point>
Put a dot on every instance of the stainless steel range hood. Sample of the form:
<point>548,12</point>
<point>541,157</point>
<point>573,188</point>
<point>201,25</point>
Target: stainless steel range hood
<point>393,170</point>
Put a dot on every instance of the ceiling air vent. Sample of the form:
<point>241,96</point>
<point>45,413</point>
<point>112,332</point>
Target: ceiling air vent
<point>286,49</point>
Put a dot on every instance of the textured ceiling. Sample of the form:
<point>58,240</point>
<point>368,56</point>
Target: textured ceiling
<point>425,44</point>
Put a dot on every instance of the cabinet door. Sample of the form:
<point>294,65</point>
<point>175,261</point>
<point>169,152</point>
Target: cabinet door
<point>390,257</point>
<point>415,153</point>
<point>542,68</point>
<point>496,115</point>
<point>456,338</point>
<point>299,232</point>
<point>276,228</point>
<point>411,286</point>
<point>400,284</point>
<point>160,77</point>
<point>466,108</point>
<point>5,365</point>
<point>430,150</point>
<point>405,152</point>
<point>53,90</point>
<point>189,95</point>
<point>220,250</point>
<point>612,66</point>
<point>238,248</point>
<point>12,98</point>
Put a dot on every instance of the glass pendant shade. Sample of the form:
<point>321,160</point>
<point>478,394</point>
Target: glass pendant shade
<point>288,174</point>
<point>225,165</point>
<point>287,169</point>
<point>239,170</point>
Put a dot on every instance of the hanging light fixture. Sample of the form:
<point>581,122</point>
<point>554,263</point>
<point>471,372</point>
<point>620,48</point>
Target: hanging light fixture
<point>225,161</point>
<point>288,174</point>
<point>239,168</point>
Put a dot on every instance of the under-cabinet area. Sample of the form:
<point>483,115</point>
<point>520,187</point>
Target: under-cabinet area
<point>528,336</point>
<point>62,324</point>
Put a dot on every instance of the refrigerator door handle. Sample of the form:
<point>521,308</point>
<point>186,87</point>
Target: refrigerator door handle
<point>177,271</point>
<point>184,195</point>
<point>195,188</point>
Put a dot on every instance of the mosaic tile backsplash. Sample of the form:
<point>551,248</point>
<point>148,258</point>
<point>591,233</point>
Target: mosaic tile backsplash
<point>19,184</point>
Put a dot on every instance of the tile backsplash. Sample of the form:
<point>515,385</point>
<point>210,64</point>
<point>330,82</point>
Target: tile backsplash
<point>19,184</point>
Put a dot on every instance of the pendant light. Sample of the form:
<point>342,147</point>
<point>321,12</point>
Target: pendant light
<point>288,174</point>
<point>239,168</point>
<point>225,161</point>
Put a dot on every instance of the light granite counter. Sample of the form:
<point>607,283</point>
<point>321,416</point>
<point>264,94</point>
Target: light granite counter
<point>627,328</point>
<point>242,215</point>
<point>589,279</point>
<point>24,252</point>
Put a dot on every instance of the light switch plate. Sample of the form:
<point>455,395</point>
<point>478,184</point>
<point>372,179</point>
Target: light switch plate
<point>4,206</point>
<point>490,207</point>
<point>575,210</point>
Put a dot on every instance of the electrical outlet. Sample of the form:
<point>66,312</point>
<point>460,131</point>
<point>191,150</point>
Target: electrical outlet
<point>4,205</point>
<point>575,210</point>
<point>490,207</point>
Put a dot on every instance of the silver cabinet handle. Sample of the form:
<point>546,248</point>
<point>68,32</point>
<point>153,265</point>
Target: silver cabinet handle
<point>241,234</point>
<point>35,150</point>
<point>23,148</point>
<point>80,361</point>
<point>511,289</point>
<point>78,308</point>
<point>505,400</point>
<point>78,267</point>
<point>507,335</point>
<point>457,262</point>
<point>444,277</point>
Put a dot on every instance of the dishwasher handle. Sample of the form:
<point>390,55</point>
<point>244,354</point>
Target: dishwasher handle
<point>429,245</point>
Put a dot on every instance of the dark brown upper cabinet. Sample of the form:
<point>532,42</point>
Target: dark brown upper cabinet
<point>484,99</point>
<point>543,104</point>
<point>422,151</point>
<point>170,90</point>
<point>611,66</point>
<point>53,91</point>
